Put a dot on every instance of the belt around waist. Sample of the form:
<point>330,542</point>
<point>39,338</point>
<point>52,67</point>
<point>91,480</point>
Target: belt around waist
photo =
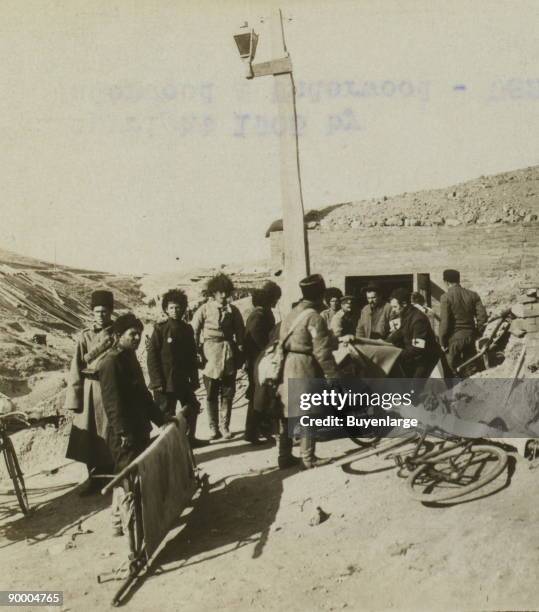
<point>90,374</point>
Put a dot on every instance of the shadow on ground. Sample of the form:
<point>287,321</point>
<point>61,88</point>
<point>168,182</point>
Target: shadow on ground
<point>227,516</point>
<point>48,518</point>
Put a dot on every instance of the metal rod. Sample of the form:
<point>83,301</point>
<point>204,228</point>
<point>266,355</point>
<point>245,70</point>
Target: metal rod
<point>486,347</point>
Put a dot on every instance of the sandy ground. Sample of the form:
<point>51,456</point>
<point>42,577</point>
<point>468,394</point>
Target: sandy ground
<point>247,542</point>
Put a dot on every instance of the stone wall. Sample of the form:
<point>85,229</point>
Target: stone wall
<point>484,254</point>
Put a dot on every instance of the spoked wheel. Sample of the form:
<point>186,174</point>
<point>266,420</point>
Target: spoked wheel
<point>366,442</point>
<point>382,446</point>
<point>458,472</point>
<point>15,473</point>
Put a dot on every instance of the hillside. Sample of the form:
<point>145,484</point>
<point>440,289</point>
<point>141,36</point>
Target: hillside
<point>509,197</point>
<point>39,298</point>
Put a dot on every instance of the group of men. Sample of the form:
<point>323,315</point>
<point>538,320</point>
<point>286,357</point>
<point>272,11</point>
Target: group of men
<point>115,408</point>
<point>407,322</point>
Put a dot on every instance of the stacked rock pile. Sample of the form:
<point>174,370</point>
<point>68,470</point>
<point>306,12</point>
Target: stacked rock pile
<point>526,323</point>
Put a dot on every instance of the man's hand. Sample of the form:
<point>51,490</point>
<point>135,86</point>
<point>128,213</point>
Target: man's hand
<point>201,359</point>
<point>347,338</point>
<point>126,441</point>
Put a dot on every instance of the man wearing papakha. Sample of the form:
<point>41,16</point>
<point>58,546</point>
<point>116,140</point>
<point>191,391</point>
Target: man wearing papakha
<point>172,364</point>
<point>221,326</point>
<point>87,440</point>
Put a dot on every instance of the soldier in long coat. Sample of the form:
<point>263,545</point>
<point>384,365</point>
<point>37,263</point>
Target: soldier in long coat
<point>308,354</point>
<point>87,440</point>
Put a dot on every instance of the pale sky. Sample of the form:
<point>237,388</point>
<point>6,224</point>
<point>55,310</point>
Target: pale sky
<point>131,137</point>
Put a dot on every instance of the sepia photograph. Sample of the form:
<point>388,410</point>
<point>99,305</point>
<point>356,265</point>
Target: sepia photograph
<point>269,305</point>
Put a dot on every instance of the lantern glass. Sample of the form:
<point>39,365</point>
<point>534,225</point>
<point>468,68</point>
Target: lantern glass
<point>243,42</point>
<point>246,43</point>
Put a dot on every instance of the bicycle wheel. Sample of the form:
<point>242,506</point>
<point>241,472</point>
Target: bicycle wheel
<point>460,471</point>
<point>380,446</point>
<point>15,473</point>
<point>366,442</point>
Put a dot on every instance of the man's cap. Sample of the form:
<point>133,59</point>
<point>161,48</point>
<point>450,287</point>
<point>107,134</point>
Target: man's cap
<point>102,298</point>
<point>451,276</point>
<point>348,299</point>
<point>125,322</point>
<point>312,287</point>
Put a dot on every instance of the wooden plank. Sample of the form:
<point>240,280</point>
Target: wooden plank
<point>282,65</point>
<point>296,263</point>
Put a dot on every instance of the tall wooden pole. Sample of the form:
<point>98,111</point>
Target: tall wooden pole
<point>295,249</point>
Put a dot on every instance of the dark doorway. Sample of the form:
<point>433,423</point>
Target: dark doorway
<point>356,285</point>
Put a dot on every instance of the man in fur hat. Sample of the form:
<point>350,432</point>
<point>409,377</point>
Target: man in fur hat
<point>87,440</point>
<point>172,363</point>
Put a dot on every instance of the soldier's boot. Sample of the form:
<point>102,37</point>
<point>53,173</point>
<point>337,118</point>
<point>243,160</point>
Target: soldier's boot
<point>225,410</point>
<point>252,425</point>
<point>284,445</point>
<point>307,447</point>
<point>213,415</point>
<point>191,416</point>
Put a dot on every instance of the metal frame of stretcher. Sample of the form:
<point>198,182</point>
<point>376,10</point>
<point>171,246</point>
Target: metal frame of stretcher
<point>138,562</point>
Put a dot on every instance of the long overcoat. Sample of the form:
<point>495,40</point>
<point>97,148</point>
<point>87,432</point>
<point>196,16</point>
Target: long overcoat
<point>87,439</point>
<point>128,404</point>
<point>308,350</point>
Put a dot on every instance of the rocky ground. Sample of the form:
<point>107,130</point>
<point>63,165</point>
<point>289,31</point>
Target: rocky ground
<point>510,197</point>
